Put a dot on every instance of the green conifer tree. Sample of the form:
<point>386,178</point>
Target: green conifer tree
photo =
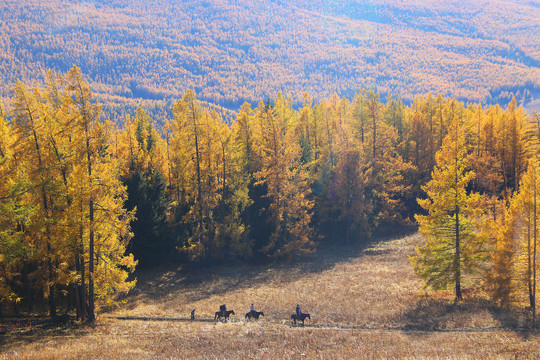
<point>453,246</point>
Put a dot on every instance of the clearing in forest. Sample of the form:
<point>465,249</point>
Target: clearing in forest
<point>364,303</point>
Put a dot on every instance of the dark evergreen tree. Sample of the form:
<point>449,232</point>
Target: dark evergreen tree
<point>147,192</point>
<point>140,147</point>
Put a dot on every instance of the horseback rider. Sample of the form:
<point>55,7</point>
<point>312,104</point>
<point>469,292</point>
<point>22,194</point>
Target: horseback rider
<point>223,309</point>
<point>298,311</point>
<point>252,309</point>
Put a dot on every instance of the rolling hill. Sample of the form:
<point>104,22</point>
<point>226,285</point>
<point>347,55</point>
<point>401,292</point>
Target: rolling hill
<point>229,51</point>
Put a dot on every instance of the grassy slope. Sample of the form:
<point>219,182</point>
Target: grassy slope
<point>364,304</point>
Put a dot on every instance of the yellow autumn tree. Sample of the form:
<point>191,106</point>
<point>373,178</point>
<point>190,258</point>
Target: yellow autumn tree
<point>453,246</point>
<point>74,224</point>
<point>99,197</point>
<point>211,188</point>
<point>384,166</point>
<point>286,181</point>
<point>31,127</point>
<point>500,277</point>
<point>526,244</point>
<point>16,213</point>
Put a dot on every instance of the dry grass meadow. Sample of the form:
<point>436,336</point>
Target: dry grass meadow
<point>364,303</point>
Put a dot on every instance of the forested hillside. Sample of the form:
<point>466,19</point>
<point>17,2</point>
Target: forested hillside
<point>230,51</point>
<point>82,200</point>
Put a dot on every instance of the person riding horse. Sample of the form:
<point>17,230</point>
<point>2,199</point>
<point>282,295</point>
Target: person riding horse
<point>299,315</point>
<point>253,314</point>
<point>223,309</point>
<point>223,316</point>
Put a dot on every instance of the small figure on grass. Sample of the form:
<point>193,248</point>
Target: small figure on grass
<point>192,314</point>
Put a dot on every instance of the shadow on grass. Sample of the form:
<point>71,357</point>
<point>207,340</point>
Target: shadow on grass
<point>472,314</point>
<point>199,283</point>
<point>26,335</point>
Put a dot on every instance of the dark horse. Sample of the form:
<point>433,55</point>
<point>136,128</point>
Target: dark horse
<point>302,317</point>
<point>223,314</point>
<point>254,315</point>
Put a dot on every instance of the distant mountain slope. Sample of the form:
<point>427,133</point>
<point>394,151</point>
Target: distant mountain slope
<point>232,51</point>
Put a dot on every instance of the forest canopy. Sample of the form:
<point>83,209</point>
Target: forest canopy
<point>232,52</point>
<point>84,200</point>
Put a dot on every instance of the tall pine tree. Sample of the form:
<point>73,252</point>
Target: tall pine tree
<point>453,246</point>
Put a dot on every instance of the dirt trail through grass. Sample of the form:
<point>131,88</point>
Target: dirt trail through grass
<point>337,326</point>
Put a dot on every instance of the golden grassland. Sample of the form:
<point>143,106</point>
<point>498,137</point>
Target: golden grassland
<point>364,303</point>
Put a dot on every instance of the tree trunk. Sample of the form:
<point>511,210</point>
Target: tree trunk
<point>529,262</point>
<point>91,306</point>
<point>199,181</point>
<point>329,134</point>
<point>457,256</point>
<point>457,265</point>
<point>533,300</point>
<point>52,298</point>
<point>78,295</point>
<point>28,288</point>
<point>81,305</point>
<point>15,308</point>
<point>349,223</point>
<point>72,290</point>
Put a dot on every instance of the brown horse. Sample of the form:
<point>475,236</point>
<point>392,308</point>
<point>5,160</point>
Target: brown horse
<point>302,317</point>
<point>223,315</point>
<point>254,315</point>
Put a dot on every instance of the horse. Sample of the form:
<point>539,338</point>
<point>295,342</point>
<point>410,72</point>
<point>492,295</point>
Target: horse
<point>254,315</point>
<point>302,317</point>
<point>223,314</point>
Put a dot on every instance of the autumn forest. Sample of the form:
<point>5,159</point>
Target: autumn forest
<point>84,201</point>
<point>141,53</point>
<point>199,179</point>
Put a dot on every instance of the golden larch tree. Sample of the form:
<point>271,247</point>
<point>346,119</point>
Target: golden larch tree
<point>453,246</point>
